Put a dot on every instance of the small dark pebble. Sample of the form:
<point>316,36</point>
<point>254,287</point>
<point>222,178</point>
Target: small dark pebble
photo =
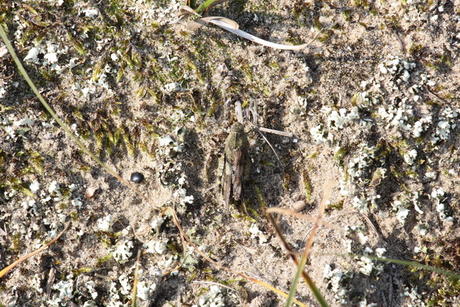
<point>137,177</point>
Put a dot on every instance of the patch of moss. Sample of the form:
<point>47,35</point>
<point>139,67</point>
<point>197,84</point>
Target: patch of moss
<point>101,261</point>
<point>16,243</point>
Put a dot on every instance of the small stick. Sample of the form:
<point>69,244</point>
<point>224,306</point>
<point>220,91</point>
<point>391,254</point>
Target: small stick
<point>278,132</point>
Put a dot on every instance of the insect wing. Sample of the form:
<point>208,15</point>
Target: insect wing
<point>237,174</point>
<point>227,181</point>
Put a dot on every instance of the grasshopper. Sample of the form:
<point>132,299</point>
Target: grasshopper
<point>235,164</point>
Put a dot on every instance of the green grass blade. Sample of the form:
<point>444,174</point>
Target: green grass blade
<point>430,268</point>
<point>63,125</point>
<point>295,282</point>
<point>203,6</point>
<point>292,291</point>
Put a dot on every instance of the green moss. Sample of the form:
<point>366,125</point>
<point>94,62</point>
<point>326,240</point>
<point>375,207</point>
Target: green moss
<point>347,14</point>
<point>81,271</point>
<point>97,70</point>
<point>16,243</point>
<point>274,65</point>
<point>74,216</point>
<point>262,204</point>
<point>360,3</point>
<point>415,49</point>
<point>308,188</point>
<point>340,155</point>
<point>101,261</point>
<point>76,44</point>
<point>2,160</point>
<point>444,289</point>
<point>63,206</point>
<point>334,206</point>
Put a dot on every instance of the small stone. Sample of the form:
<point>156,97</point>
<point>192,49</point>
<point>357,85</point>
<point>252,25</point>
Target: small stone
<point>299,205</point>
<point>90,191</point>
<point>137,177</point>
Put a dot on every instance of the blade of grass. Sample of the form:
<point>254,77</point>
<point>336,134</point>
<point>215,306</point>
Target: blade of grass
<point>300,269</point>
<point>136,280</point>
<point>186,241</point>
<point>319,297</point>
<point>61,123</point>
<point>420,266</point>
<point>205,5</point>
<point>327,191</point>
<point>6,270</point>
<point>451,274</point>
<point>268,213</point>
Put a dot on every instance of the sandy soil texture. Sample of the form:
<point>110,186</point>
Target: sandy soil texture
<point>367,120</point>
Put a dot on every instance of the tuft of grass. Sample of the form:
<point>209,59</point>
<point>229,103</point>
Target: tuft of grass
<point>203,6</point>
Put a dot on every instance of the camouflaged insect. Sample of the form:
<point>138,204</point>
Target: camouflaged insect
<point>235,164</point>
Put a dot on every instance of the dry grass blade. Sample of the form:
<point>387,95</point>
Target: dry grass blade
<point>222,20</point>
<point>136,280</point>
<point>271,147</point>
<point>292,213</point>
<point>233,27</point>
<point>225,24</point>
<point>306,251</point>
<point>25,257</point>
<point>277,132</point>
<point>299,265</point>
<point>187,242</point>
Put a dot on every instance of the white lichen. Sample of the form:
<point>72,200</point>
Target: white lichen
<point>156,223</point>
<point>213,298</point>
<point>145,289</point>
<point>123,251</point>
<point>91,286</point>
<point>156,247</point>
<point>318,134</point>
<point>365,265</point>
<point>334,278</point>
<point>165,141</point>
<point>380,251</point>
<point>125,284</point>
<point>256,233</point>
<point>359,203</point>
<point>65,290</point>
<point>91,12</point>
<point>358,166</point>
<point>104,223</point>
<point>439,198</point>
<point>34,186</point>
<point>421,125</point>
<point>410,156</point>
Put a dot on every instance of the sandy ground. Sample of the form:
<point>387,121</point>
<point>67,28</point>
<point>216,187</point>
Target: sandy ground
<point>369,115</point>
